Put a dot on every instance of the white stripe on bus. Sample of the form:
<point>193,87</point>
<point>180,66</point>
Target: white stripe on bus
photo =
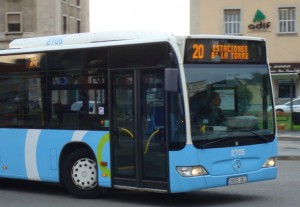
<point>32,138</point>
<point>78,136</point>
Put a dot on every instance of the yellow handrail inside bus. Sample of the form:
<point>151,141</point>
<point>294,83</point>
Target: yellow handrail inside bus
<point>127,131</point>
<point>149,140</point>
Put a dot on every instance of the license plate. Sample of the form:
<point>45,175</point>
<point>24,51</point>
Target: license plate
<point>237,180</point>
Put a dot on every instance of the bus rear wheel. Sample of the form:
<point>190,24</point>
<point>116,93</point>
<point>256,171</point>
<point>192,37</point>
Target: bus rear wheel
<point>80,174</point>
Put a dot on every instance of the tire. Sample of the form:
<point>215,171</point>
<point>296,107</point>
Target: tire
<point>79,174</point>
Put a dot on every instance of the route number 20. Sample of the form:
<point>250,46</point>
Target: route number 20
<point>33,62</point>
<point>198,51</point>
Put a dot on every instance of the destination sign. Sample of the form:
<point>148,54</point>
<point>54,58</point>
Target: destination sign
<point>224,51</point>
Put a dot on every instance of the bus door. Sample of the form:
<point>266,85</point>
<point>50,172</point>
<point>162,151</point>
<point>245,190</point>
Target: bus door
<point>139,150</point>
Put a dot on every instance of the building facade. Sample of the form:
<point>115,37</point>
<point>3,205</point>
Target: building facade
<point>278,21</point>
<point>32,18</point>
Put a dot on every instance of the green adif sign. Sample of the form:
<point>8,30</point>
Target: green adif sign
<point>259,16</point>
<point>258,22</point>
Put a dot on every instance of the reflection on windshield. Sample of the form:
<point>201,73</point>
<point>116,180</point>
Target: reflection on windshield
<point>230,101</point>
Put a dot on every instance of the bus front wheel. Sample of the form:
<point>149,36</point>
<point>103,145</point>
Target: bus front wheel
<point>80,174</point>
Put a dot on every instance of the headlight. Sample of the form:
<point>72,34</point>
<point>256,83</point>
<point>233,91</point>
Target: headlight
<point>191,171</point>
<point>271,162</point>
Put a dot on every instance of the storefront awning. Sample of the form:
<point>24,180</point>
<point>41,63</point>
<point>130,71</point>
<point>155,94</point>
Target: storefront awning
<point>285,71</point>
<point>281,76</point>
<point>284,67</point>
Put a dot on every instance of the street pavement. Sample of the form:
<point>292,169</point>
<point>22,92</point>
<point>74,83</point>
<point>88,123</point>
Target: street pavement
<point>288,145</point>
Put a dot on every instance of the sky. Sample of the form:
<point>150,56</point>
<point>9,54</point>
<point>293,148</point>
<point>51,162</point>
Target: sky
<point>142,15</point>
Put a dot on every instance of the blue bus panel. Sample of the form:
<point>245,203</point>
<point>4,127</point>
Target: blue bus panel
<point>34,154</point>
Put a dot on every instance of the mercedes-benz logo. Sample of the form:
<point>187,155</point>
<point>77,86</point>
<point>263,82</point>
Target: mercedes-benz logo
<point>237,164</point>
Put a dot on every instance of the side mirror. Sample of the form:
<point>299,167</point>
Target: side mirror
<point>171,79</point>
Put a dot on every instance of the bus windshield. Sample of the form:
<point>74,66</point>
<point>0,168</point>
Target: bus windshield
<point>230,104</point>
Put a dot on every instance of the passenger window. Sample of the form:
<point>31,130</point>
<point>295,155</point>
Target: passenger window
<point>78,90</point>
<point>78,109</point>
<point>21,104</point>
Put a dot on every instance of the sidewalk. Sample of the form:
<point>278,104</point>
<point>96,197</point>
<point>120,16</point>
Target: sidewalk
<point>288,135</point>
<point>288,145</point>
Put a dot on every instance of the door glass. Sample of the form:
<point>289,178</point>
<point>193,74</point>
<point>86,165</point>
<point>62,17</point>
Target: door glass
<point>153,113</point>
<point>123,125</point>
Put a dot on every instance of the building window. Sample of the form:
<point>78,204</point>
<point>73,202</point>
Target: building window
<point>232,21</point>
<point>287,20</point>
<point>286,89</point>
<point>14,22</point>
<point>64,24</point>
<point>78,26</point>
<point>78,3</point>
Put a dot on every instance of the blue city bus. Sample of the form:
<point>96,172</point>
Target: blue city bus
<point>133,110</point>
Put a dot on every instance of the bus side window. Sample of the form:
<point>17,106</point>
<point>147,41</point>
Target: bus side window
<point>20,102</point>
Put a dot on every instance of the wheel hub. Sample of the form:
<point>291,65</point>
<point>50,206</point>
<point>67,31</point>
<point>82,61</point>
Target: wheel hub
<point>84,173</point>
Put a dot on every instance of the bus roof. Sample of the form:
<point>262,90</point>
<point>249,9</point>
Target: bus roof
<point>100,39</point>
<point>233,37</point>
<point>81,38</point>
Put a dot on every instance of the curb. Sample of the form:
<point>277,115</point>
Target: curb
<point>289,134</point>
<point>288,138</point>
<point>292,158</point>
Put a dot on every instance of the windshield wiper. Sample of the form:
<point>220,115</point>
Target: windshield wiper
<point>228,138</point>
<point>259,136</point>
<point>216,141</point>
